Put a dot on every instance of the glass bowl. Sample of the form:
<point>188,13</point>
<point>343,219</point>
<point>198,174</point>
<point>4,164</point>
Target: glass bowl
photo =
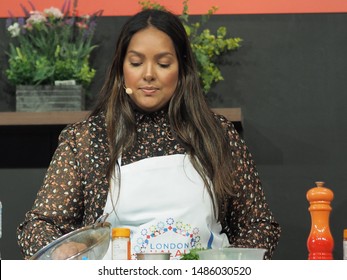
<point>94,238</point>
<point>230,253</point>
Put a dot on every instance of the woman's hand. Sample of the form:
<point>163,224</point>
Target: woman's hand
<point>67,250</point>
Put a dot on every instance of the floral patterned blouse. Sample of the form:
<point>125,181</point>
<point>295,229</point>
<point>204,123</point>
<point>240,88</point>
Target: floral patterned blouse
<point>75,187</point>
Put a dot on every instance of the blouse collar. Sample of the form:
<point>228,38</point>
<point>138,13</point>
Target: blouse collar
<point>157,117</point>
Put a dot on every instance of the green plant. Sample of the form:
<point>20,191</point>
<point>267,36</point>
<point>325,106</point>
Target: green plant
<point>192,255</point>
<point>207,47</point>
<point>50,45</point>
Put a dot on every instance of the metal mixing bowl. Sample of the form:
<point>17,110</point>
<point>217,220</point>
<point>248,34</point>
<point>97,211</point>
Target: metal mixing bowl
<point>95,237</point>
<point>153,256</point>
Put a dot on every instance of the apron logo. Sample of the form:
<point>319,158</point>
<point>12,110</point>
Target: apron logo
<point>169,246</point>
<point>168,236</point>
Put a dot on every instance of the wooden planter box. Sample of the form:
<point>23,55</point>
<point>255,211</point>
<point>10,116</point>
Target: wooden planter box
<point>62,118</point>
<point>50,98</point>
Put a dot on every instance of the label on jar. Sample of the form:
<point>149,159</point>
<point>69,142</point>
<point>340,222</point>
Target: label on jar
<point>120,249</point>
<point>345,249</point>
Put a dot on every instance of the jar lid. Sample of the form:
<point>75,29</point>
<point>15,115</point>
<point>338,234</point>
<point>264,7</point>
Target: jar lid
<point>120,232</point>
<point>345,234</point>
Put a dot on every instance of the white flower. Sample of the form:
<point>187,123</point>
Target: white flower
<point>53,12</point>
<point>14,29</point>
<point>86,17</point>
<point>36,17</point>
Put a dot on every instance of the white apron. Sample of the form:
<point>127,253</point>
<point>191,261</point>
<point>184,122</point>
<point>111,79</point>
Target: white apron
<point>166,206</point>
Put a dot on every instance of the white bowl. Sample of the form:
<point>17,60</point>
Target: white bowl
<point>232,254</point>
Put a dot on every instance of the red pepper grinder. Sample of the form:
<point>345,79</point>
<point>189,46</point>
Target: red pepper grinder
<point>320,243</point>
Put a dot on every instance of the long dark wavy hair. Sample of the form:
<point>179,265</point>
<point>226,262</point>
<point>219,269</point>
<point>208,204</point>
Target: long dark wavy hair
<point>191,120</point>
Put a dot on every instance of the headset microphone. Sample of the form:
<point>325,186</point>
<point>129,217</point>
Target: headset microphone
<point>128,90</point>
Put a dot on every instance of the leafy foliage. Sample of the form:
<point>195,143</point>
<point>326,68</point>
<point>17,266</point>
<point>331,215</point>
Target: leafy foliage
<point>50,45</point>
<point>207,47</point>
<point>192,255</point>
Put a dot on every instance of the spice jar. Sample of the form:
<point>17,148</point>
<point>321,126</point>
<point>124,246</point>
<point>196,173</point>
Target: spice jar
<point>121,244</point>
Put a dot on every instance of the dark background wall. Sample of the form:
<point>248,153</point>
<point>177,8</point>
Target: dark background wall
<point>289,78</point>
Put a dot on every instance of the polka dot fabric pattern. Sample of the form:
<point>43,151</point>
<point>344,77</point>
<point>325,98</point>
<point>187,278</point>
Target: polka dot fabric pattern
<point>75,187</point>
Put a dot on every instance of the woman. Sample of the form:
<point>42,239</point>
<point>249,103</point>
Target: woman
<point>154,157</point>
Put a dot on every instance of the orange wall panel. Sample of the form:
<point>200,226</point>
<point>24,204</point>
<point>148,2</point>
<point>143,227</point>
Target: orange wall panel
<point>129,7</point>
